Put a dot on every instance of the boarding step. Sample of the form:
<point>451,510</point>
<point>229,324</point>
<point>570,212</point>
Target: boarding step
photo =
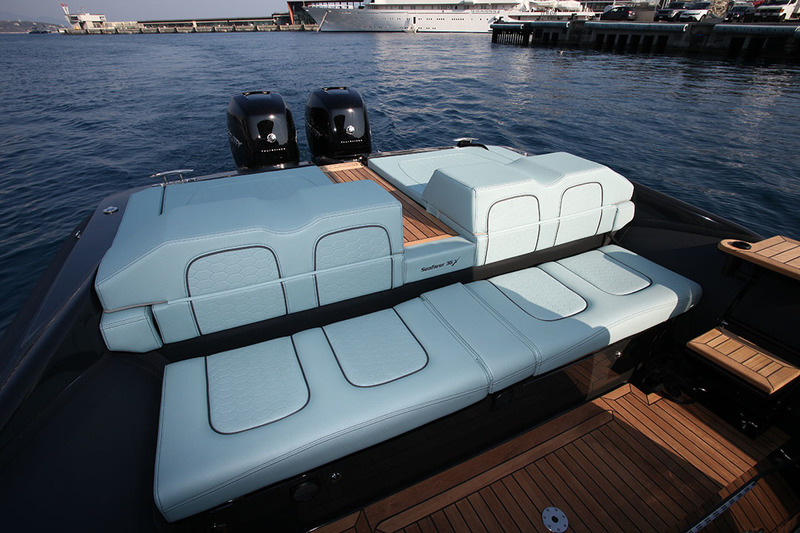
<point>755,365</point>
<point>779,254</point>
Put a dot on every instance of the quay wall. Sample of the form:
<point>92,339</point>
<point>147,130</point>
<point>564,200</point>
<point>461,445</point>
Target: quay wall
<point>191,29</point>
<point>778,40</point>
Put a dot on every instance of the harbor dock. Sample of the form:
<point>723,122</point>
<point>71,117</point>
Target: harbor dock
<point>96,24</point>
<point>196,26</point>
<point>752,40</point>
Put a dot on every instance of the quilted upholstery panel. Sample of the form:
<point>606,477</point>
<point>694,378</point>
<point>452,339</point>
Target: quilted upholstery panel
<point>362,263</point>
<point>219,282</point>
<point>539,294</point>
<point>351,246</point>
<point>606,273</point>
<point>216,313</point>
<point>254,386</point>
<point>513,228</point>
<point>581,198</point>
<point>231,269</point>
<point>580,212</point>
<point>375,349</point>
<point>512,213</point>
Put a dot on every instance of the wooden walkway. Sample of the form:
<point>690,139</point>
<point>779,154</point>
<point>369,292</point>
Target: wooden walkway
<point>418,225</point>
<point>624,462</point>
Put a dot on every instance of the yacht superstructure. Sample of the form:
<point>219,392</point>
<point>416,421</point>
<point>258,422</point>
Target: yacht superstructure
<point>453,16</point>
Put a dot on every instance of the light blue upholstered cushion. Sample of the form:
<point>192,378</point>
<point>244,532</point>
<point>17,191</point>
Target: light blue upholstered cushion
<point>209,266</point>
<point>531,203</point>
<point>366,252</point>
<point>506,356</point>
<point>130,330</point>
<point>263,185</point>
<point>412,172</point>
<point>254,386</point>
<point>198,468</point>
<point>607,317</point>
<point>375,349</point>
<point>539,294</point>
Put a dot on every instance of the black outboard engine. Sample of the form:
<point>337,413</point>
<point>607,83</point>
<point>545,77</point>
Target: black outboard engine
<point>336,124</point>
<point>261,131</point>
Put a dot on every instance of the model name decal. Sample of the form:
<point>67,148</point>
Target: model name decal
<point>449,263</point>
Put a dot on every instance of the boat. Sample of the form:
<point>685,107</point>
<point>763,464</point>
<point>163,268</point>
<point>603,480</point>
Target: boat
<point>96,23</point>
<point>453,16</point>
<point>464,337</point>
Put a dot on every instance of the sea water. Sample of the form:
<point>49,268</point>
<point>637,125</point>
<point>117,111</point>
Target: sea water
<point>82,117</point>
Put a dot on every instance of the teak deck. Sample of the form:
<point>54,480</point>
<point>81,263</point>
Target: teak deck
<point>624,462</point>
<point>418,225</point>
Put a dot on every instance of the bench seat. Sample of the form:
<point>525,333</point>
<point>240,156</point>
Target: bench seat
<point>575,306</point>
<point>238,421</point>
<point>196,258</point>
<point>198,267</point>
<point>509,205</point>
<point>411,172</point>
<point>229,425</point>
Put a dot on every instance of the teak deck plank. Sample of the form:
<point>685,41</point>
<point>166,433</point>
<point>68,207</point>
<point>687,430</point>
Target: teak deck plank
<point>658,431</point>
<point>619,463</point>
<point>487,517</point>
<point>499,510</point>
<point>511,505</point>
<point>712,444</point>
<point>471,469</point>
<point>600,505</point>
<point>680,488</point>
<point>471,518</point>
<point>418,225</point>
<point>441,523</point>
<point>721,444</point>
<point>616,496</point>
<point>454,517</point>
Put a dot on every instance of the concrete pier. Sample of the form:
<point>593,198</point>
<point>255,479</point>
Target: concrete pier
<point>780,40</point>
<point>291,21</point>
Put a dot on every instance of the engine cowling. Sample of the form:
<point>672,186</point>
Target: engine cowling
<point>261,130</point>
<point>337,126</point>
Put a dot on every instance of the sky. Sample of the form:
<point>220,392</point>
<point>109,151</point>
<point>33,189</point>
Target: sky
<point>118,10</point>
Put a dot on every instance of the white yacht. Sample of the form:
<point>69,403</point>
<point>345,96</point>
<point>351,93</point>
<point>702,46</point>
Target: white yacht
<point>454,16</point>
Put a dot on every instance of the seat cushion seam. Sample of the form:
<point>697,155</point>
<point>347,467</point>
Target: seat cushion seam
<point>511,328</point>
<point>432,308</point>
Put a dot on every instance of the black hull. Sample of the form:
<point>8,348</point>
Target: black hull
<point>80,424</point>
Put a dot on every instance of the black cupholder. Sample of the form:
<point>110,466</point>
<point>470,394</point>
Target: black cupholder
<point>741,245</point>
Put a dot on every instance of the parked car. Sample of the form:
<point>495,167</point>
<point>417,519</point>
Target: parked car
<point>671,12</point>
<point>695,12</point>
<point>619,13</point>
<point>778,10</point>
<point>740,13</point>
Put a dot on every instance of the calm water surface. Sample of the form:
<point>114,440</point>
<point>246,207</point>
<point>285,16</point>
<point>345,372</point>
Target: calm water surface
<point>83,117</point>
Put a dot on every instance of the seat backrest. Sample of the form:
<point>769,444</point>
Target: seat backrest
<point>210,266</point>
<point>532,203</point>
